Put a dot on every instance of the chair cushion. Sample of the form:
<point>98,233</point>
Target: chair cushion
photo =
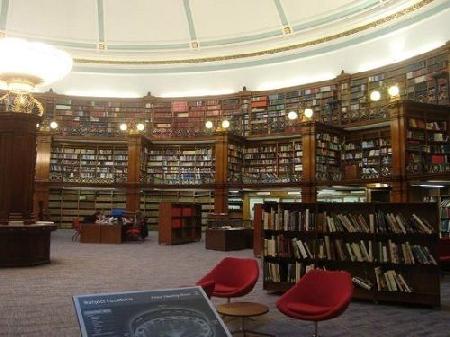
<point>307,309</point>
<point>221,288</point>
<point>444,259</point>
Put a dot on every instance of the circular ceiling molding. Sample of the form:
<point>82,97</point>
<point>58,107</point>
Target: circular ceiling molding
<point>158,33</point>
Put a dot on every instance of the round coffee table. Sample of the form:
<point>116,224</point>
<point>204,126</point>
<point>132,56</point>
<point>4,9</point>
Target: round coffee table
<point>244,310</point>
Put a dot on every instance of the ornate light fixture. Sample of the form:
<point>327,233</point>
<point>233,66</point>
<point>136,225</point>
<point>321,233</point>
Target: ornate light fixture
<point>23,66</point>
<point>308,112</point>
<point>292,115</point>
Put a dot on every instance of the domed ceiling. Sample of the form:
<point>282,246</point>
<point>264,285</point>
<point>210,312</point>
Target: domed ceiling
<point>139,37</point>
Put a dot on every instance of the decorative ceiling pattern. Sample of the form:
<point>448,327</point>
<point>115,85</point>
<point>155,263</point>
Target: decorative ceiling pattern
<point>161,33</point>
<point>204,47</point>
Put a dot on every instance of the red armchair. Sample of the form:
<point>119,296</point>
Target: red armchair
<point>444,251</point>
<point>232,277</point>
<point>318,296</point>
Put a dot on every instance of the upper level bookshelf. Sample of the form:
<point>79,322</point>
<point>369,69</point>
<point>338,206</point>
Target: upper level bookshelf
<point>343,101</point>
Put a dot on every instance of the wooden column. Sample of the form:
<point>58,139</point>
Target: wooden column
<point>221,186</point>
<point>17,166</point>
<point>133,189</point>
<point>309,191</point>
<point>398,125</point>
<point>41,191</point>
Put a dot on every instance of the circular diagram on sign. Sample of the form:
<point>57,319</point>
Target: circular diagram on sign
<point>171,322</point>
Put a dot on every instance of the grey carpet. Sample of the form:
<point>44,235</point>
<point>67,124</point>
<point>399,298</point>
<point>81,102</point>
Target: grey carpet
<point>36,301</point>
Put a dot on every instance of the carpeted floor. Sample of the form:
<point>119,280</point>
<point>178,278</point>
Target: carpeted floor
<point>37,301</point>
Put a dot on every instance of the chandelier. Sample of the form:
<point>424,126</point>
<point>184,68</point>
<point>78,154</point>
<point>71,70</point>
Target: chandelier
<point>25,65</point>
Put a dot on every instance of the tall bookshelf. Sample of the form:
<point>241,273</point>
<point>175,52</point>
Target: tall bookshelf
<point>427,145</point>
<point>367,154</point>
<point>272,162</point>
<point>88,163</point>
<point>389,252</point>
<point>328,155</point>
<point>180,164</point>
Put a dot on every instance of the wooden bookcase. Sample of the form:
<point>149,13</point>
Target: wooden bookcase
<point>88,162</point>
<point>385,247</point>
<point>179,223</point>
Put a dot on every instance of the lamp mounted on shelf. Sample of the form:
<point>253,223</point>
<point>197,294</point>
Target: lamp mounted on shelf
<point>393,92</point>
<point>25,65</point>
<point>132,128</point>
<point>222,127</point>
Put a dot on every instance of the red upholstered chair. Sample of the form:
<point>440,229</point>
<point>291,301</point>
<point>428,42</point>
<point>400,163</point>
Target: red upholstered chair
<point>318,296</point>
<point>232,277</point>
<point>208,287</point>
<point>444,251</point>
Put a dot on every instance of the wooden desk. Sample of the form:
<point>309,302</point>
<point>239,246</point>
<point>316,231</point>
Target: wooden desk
<point>226,239</point>
<point>25,245</point>
<point>97,233</point>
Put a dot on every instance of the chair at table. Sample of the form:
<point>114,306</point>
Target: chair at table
<point>134,233</point>
<point>232,277</point>
<point>76,226</point>
<point>444,251</point>
<point>318,296</point>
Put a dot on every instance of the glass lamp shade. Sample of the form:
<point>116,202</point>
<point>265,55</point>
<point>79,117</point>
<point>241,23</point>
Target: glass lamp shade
<point>24,64</point>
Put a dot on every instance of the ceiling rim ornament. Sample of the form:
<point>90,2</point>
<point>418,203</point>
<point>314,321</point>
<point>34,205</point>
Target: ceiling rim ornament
<point>374,24</point>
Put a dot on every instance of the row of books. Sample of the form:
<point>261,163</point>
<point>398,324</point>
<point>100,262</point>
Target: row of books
<point>290,273</point>
<point>391,280</point>
<point>404,253</point>
<point>277,218</point>
<point>354,251</point>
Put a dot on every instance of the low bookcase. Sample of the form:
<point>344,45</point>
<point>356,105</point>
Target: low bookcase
<point>389,248</point>
<point>179,223</point>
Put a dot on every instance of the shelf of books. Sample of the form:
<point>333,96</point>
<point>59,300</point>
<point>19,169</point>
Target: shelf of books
<point>427,80</point>
<point>235,163</point>
<point>273,162</point>
<point>151,199</point>
<point>389,249</point>
<point>180,164</point>
<point>67,204</point>
<point>99,117</point>
<point>236,110</point>
<point>367,154</point>
<point>427,145</point>
<point>88,163</point>
<point>328,155</point>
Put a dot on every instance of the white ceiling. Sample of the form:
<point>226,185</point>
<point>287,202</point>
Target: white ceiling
<point>150,42</point>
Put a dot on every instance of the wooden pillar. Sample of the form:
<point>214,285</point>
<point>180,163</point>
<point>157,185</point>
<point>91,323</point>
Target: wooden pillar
<point>398,125</point>
<point>41,191</point>
<point>309,191</point>
<point>17,166</point>
<point>221,186</point>
<point>133,189</point>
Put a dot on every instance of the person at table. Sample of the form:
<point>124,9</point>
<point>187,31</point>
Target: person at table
<point>92,218</point>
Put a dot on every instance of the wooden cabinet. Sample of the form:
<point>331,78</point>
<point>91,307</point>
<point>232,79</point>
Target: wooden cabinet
<point>179,223</point>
